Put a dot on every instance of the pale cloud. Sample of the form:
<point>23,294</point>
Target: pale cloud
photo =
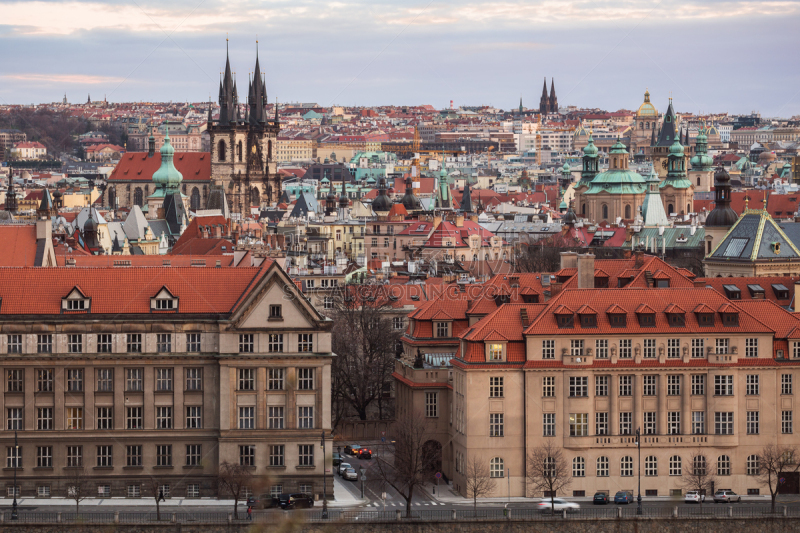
<point>71,79</point>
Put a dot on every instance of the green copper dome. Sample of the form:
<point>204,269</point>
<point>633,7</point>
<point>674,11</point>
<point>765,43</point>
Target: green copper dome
<point>701,160</point>
<point>619,148</point>
<point>167,175</point>
<point>676,149</point>
<point>590,149</point>
<point>565,169</point>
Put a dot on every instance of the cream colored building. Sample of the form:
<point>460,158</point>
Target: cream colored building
<point>293,149</point>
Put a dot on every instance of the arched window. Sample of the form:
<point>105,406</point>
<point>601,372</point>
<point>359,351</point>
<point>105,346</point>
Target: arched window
<point>753,466</point>
<point>578,467</point>
<point>723,465</point>
<point>221,150</point>
<point>670,209</point>
<point>239,151</point>
<point>462,257</point>
<point>583,210</point>
<point>269,150</point>
<point>112,197</point>
<point>605,212</point>
<point>496,468</point>
<point>699,465</point>
<point>675,465</point>
<point>602,466</point>
<point>627,212</point>
<point>698,182</point>
<point>626,466</point>
<point>486,256</point>
<point>474,257</point>
<point>505,256</point>
<point>255,196</point>
<point>194,202</point>
<point>641,125</point>
<point>615,162</point>
<point>138,197</point>
<point>688,208</point>
<point>647,126</point>
<point>651,465</point>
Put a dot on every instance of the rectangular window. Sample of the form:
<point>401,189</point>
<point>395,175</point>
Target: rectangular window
<point>246,343</point>
<point>164,455</point>
<point>698,385</point>
<point>275,378</point>
<point>601,423</point>
<point>275,418</point>
<point>442,329</point>
<point>44,418</point>
<point>14,418</point>
<point>247,455</point>
<point>496,424</point>
<point>649,349</point>
<point>194,378</point>
<point>753,422</point>
<point>134,491</point>
<point>673,348</point>
<point>305,455</point>
<point>625,351</point>
<point>164,417</point>
<point>698,351</point>
<point>601,385</point>
<point>275,311</point>
<point>549,386</point>
<point>626,385</point>
<point>44,456</point>
<point>15,380</point>
<point>105,418</point>
<point>786,384</point>
<point>751,347</point>
<point>649,385</point>
<point>247,417</point>
<point>721,346</point>
<point>549,424</point>
<point>305,417</point>
<point>674,423</point>
<point>276,455</point>
<point>134,342</point>
<point>723,423</point>
<point>44,380</point>
<point>752,385</point>
<point>194,417</point>
<point>495,387</point>
<point>625,423</point>
<point>44,343</point>
<point>495,352</point>
<point>305,379</point>
<point>723,385</point>
<point>601,348</point>
<point>327,302</point>
<point>548,349</point>
<point>786,422</point>
<point>432,404</point>
<point>105,380</point>
<point>104,343</point>
<point>673,385</point>
<point>578,424</point>
<point>193,490</point>
<point>133,420</point>
<point>14,343</point>
<point>75,343</point>
<point>193,342</point>
<point>74,417</point>
<point>578,386</point>
<point>134,455</point>
<point>576,347</point>
<point>650,423</point>
<point>163,379</point>
<point>275,342</point>
<point>164,342</point>
<point>105,456</point>
<point>74,456</point>
<point>397,323</point>
<point>75,379</point>
<point>133,379</point>
<point>194,454</point>
<point>305,342</point>
<point>247,379</point>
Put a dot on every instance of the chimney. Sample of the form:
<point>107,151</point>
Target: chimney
<point>585,271</point>
<point>699,283</point>
<point>460,221</point>
<point>569,259</point>
<point>219,263</point>
<point>639,256</point>
<point>44,229</point>
<point>555,288</point>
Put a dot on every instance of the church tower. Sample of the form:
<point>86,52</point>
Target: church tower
<point>677,191</point>
<point>242,148</point>
<point>544,101</point>
<point>553,98</point>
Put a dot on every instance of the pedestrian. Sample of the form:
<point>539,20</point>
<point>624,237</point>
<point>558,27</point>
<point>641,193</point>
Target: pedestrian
<point>249,512</point>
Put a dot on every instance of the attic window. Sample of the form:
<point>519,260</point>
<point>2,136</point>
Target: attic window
<point>662,283</point>
<point>621,282</point>
<point>565,321</point>
<point>588,321</point>
<point>730,319</point>
<point>781,292</point>
<point>732,292</point>
<point>647,320</point>
<point>76,301</point>
<point>618,320</point>
<point>164,301</point>
<point>705,319</point>
<point>776,247</point>
<point>677,320</point>
<point>756,291</point>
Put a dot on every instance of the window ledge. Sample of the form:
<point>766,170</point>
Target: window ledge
<point>42,468</point>
<point>281,467</point>
<point>163,467</point>
<point>102,468</point>
<point>190,467</point>
<point>11,469</point>
<point>312,467</point>
<point>275,319</point>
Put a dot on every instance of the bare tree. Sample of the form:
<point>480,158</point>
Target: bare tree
<point>158,495</point>
<point>543,255</point>
<point>78,486</point>
<point>479,480</point>
<point>365,344</point>
<point>413,460</point>
<point>548,470</point>
<point>698,475</point>
<point>233,479</point>
<point>772,463</point>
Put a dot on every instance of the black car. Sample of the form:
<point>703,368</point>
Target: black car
<point>296,500</point>
<point>363,453</point>
<point>600,498</point>
<point>265,501</point>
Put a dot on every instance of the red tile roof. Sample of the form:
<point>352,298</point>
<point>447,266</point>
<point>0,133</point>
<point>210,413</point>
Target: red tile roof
<point>136,166</point>
<point>18,245</point>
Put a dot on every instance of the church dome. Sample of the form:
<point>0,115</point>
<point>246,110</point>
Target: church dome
<point>590,149</point>
<point>722,215</point>
<point>647,109</point>
<point>167,175</point>
<point>676,149</point>
<point>382,203</point>
<point>618,148</point>
<point>565,169</point>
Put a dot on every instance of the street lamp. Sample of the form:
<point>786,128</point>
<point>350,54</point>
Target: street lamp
<point>639,490</point>
<point>324,481</point>
<point>14,514</point>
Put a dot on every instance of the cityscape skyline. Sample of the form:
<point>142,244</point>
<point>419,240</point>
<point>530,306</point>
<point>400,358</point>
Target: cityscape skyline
<point>422,53</point>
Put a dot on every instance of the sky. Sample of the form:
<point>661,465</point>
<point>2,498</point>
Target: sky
<point>709,55</point>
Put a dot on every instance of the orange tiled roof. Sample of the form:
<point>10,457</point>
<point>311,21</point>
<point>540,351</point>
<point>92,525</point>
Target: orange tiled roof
<point>137,166</point>
<point>18,245</point>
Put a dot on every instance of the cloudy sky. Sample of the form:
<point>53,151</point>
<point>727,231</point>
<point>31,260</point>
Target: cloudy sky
<point>710,55</point>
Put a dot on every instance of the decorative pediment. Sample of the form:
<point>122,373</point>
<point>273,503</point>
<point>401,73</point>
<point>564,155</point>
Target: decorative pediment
<point>76,301</point>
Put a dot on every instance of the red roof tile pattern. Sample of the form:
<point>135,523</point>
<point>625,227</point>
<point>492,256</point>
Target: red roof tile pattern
<point>18,245</point>
<point>766,283</point>
<point>137,166</point>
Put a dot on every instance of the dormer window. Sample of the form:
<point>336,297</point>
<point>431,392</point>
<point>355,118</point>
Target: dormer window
<point>705,319</point>
<point>617,320</point>
<point>76,301</point>
<point>781,292</point>
<point>588,321</point>
<point>621,282</point>
<point>647,320</point>
<point>677,320</point>
<point>495,352</point>
<point>164,301</point>
<point>76,305</point>
<point>732,292</point>
<point>730,319</point>
<point>443,329</point>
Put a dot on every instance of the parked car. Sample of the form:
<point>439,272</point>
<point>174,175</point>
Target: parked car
<point>350,474</point>
<point>337,458</point>
<point>342,467</point>
<point>297,500</point>
<point>600,498</point>
<point>623,496</point>
<point>694,496</point>
<point>726,496</point>
<point>559,504</point>
<point>264,501</point>
<point>364,453</point>
<point>352,449</point>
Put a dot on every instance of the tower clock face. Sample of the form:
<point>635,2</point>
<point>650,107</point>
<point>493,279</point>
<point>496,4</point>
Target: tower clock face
<point>664,163</point>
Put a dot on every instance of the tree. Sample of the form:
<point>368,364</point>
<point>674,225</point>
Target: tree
<point>234,479</point>
<point>78,486</point>
<point>365,345</point>
<point>413,460</point>
<point>543,255</point>
<point>698,475</point>
<point>772,463</point>
<point>479,480</point>
<point>155,490</point>
<point>548,470</point>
